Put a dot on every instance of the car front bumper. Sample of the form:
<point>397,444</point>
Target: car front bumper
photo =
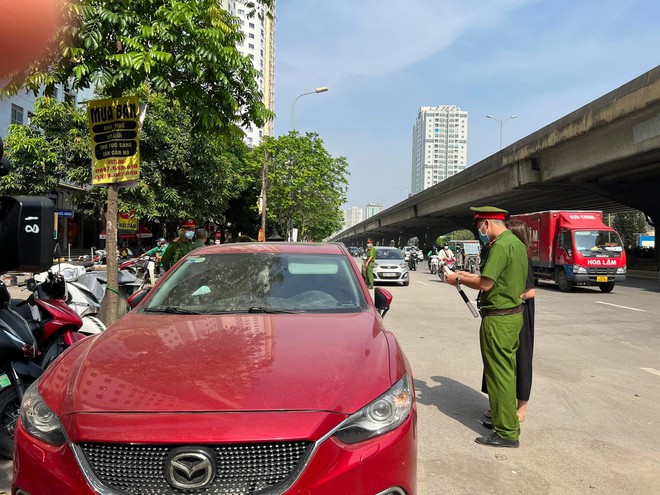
<point>385,465</point>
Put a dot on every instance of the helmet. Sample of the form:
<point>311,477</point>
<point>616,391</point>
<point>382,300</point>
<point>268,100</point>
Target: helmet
<point>161,240</point>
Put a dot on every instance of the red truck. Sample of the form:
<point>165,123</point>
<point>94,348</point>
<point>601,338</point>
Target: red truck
<point>575,248</point>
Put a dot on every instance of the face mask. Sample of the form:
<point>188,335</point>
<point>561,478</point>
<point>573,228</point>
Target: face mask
<point>484,237</point>
<point>189,235</point>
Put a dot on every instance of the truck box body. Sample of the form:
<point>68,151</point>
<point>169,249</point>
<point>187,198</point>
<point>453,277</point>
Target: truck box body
<point>575,248</point>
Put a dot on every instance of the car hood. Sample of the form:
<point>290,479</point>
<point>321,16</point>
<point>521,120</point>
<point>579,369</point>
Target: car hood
<point>169,363</point>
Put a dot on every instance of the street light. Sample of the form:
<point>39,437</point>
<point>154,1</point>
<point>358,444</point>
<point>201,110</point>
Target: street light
<point>322,89</point>
<point>501,121</point>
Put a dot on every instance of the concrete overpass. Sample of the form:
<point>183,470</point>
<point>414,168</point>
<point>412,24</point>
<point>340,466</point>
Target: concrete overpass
<point>605,156</point>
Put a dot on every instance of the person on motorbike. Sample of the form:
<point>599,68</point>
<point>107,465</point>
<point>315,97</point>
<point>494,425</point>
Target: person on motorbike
<point>158,251</point>
<point>445,255</point>
<point>180,246</point>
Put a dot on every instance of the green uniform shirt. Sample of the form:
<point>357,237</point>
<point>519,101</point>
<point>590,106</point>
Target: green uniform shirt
<point>372,254</point>
<point>507,267</point>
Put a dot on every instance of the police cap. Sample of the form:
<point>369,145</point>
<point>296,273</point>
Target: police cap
<point>488,213</point>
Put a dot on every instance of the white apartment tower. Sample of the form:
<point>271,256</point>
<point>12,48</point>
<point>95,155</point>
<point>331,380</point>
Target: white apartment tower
<point>439,148</point>
<point>259,45</point>
<point>352,216</point>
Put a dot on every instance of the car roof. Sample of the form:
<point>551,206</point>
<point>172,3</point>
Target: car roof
<point>273,247</point>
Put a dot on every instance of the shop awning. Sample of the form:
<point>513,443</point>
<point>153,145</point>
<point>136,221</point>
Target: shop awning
<point>141,233</point>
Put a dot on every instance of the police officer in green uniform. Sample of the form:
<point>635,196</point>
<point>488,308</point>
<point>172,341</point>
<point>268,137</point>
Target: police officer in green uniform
<point>369,263</point>
<point>180,246</point>
<point>502,281</point>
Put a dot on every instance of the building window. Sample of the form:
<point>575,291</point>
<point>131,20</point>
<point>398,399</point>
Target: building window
<point>16,114</point>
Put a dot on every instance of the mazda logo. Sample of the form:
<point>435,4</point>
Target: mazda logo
<point>187,468</point>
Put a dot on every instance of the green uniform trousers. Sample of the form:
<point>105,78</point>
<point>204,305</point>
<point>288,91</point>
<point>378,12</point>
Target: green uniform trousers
<point>499,338</point>
<point>370,275</point>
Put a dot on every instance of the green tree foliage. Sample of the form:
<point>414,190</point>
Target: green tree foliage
<point>184,173</point>
<point>306,185</point>
<point>184,49</point>
<point>630,225</point>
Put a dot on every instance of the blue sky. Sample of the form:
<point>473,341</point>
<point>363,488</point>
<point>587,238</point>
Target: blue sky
<point>383,59</point>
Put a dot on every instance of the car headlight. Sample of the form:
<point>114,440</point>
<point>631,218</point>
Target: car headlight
<point>403,265</point>
<point>621,270</point>
<point>384,414</point>
<point>579,269</point>
<point>39,420</point>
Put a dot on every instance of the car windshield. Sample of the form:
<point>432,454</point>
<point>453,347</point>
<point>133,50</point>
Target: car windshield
<point>259,283</point>
<point>602,242</point>
<point>389,254</point>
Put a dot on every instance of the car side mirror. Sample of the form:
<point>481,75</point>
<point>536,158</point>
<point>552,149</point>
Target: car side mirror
<point>136,298</point>
<point>31,284</point>
<point>383,300</point>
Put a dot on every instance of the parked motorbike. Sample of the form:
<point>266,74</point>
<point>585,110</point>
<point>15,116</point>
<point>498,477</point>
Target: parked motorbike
<point>82,299</point>
<point>18,347</point>
<point>54,324</point>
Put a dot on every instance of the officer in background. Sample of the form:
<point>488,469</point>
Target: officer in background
<point>502,281</point>
<point>369,263</point>
<point>180,246</point>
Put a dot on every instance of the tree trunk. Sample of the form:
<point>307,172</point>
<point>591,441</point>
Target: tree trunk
<point>111,299</point>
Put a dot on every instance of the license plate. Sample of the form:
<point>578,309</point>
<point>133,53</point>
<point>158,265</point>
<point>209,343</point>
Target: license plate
<point>4,380</point>
<point>388,275</point>
<point>601,279</point>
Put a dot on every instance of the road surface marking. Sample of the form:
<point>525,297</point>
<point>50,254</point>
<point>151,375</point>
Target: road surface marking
<point>624,307</point>
<point>423,283</point>
<point>651,370</point>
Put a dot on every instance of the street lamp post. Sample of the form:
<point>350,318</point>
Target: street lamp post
<point>501,121</point>
<point>322,89</point>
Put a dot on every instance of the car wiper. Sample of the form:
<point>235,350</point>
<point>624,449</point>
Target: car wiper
<point>259,309</point>
<point>174,310</point>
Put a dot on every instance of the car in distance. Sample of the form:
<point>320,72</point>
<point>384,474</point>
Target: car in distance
<point>249,368</point>
<point>355,251</point>
<point>390,266</point>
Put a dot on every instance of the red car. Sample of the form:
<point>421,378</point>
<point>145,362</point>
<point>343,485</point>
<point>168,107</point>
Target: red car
<point>249,368</point>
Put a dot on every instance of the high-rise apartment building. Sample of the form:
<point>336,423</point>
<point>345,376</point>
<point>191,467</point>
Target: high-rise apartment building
<point>373,209</point>
<point>439,148</point>
<point>259,45</point>
<point>352,216</point>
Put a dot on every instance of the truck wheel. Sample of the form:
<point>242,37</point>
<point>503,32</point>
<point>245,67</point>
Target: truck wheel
<point>564,284</point>
<point>606,286</point>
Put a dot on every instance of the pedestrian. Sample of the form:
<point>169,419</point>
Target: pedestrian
<point>368,265</point>
<point>201,236</point>
<point>502,282</point>
<point>180,246</point>
<point>525,351</point>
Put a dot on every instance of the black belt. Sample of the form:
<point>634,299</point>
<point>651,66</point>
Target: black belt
<point>502,312</point>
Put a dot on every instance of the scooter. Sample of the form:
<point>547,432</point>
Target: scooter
<point>77,296</point>
<point>54,324</point>
<point>450,263</point>
<point>18,347</point>
<point>434,263</point>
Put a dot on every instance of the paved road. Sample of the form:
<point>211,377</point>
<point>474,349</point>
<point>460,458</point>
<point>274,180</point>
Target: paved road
<point>592,421</point>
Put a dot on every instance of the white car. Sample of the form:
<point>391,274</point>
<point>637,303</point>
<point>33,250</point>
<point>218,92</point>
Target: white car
<point>390,266</point>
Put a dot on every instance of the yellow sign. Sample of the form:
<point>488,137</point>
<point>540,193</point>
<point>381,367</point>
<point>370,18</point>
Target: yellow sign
<point>261,237</point>
<point>115,127</point>
<point>127,221</point>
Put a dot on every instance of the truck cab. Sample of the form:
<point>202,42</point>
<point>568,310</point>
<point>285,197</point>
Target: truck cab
<point>575,248</point>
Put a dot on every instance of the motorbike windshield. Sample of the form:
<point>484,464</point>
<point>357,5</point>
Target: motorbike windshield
<point>601,243</point>
<point>259,283</point>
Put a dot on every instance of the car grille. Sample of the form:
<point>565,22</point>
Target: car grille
<point>241,468</point>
